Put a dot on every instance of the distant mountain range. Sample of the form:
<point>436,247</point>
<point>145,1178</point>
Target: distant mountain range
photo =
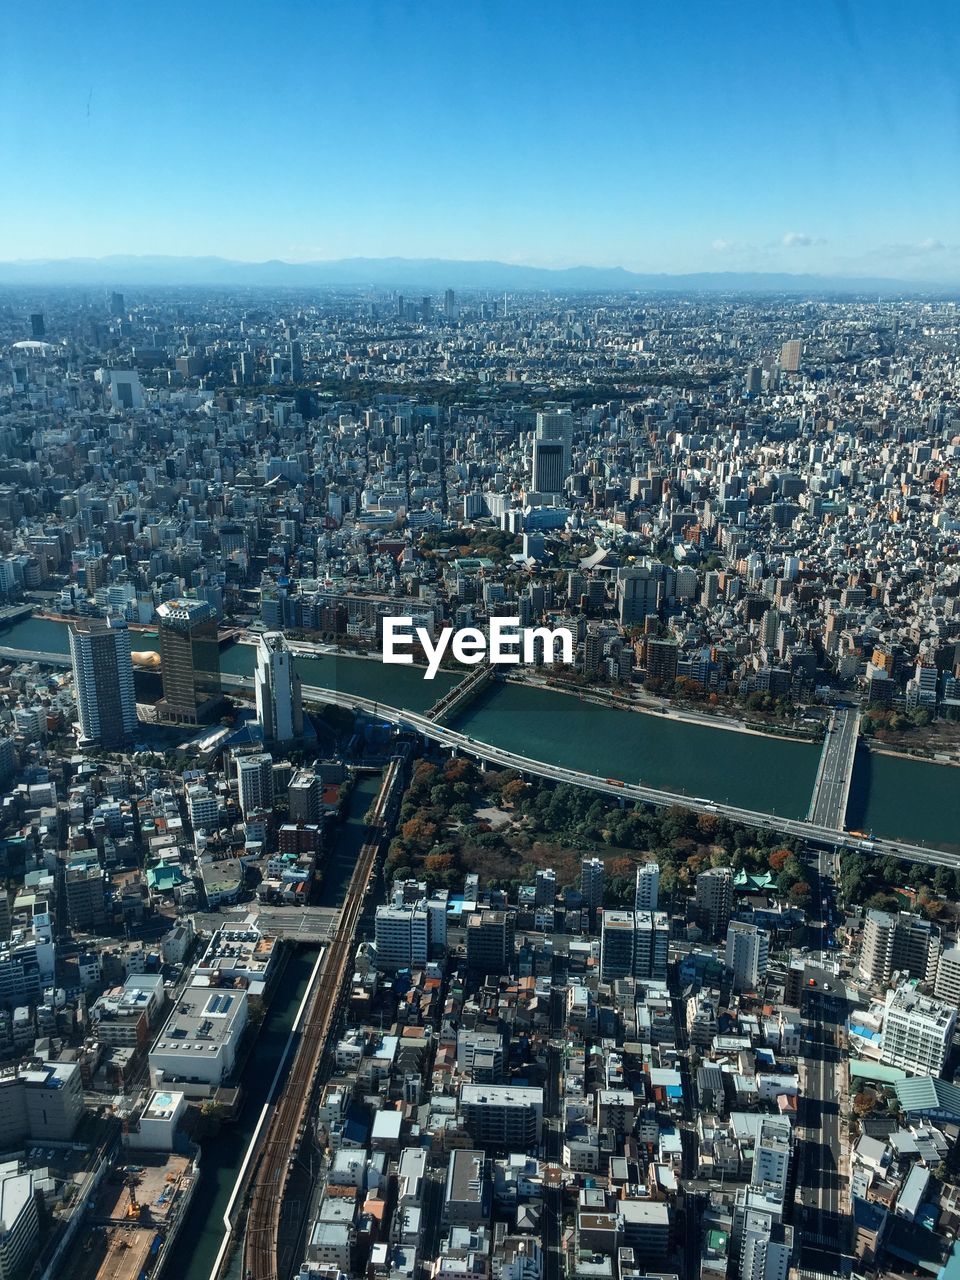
<point>433,274</point>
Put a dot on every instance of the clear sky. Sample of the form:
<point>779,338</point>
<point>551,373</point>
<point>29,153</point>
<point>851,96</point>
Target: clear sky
<point>670,136</point>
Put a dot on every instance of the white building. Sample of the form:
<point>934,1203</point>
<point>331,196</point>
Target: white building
<point>19,1221</point>
<point>746,954</point>
<point>765,1248</point>
<point>203,808</point>
<point>402,935</point>
<point>917,1031</point>
<point>198,1044</point>
<point>648,887</point>
<point>278,691</point>
<point>255,782</point>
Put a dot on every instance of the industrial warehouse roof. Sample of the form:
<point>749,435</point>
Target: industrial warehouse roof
<point>877,1071</point>
<point>929,1094</point>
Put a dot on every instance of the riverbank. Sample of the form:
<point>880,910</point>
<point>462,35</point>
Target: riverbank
<point>917,757</point>
<point>901,796</point>
<point>661,712</point>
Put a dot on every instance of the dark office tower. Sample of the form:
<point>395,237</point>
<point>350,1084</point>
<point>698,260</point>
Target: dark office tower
<point>189,660</point>
<point>296,361</point>
<point>37,328</point>
<point>490,936</point>
<point>548,469</point>
<point>103,681</point>
<point>85,890</point>
<point>426,309</point>
<point>662,658</point>
<point>400,305</point>
<point>116,304</point>
<point>450,304</point>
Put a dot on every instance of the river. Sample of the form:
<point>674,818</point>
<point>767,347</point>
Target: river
<point>891,796</point>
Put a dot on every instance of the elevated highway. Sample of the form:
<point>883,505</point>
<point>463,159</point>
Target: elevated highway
<point>815,833</point>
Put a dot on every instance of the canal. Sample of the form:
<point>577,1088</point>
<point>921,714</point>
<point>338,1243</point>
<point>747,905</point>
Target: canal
<point>201,1235</point>
<point>891,796</point>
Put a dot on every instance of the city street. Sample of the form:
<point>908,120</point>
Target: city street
<point>822,1227</point>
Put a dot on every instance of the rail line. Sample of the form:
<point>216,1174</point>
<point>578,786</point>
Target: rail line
<point>290,1116</point>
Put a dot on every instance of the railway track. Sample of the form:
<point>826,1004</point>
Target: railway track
<point>291,1114</point>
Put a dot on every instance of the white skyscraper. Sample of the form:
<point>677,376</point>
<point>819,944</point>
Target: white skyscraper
<point>747,950</point>
<point>103,681</point>
<point>648,887</point>
<point>255,783</point>
<point>278,692</point>
<point>917,1031</point>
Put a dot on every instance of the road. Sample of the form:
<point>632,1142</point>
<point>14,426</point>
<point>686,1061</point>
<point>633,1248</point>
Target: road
<point>831,790</point>
<point>821,1223</point>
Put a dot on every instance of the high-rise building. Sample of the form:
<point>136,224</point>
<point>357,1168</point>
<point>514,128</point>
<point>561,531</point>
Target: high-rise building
<point>117,307</point>
<point>490,937</point>
<point>507,1117</point>
<point>402,934</point>
<point>545,887</point>
<point>901,943</point>
<point>38,329</point>
<point>558,427</point>
<point>917,1031</point>
<point>617,944</point>
<point>766,1246</point>
<point>103,681</point>
<point>948,976</point>
<point>549,471</point>
<point>296,361</point>
<point>189,660</point>
<point>638,592</point>
<point>450,304</point>
<point>714,900</point>
<point>746,954</point>
<point>255,783</point>
<point>634,944</point>
<point>305,796</point>
<point>20,1237</point>
<point>771,1156</point>
<point>85,889</point>
<point>651,945</point>
<point>661,660</point>
<point>790,354</point>
<point>591,883</point>
<point>278,691</point>
<point>647,895</point>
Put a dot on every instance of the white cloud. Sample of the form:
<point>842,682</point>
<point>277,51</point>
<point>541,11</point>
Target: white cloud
<point>799,240</point>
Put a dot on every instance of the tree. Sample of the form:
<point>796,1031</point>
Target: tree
<point>778,860</point>
<point>514,791</point>
<point>419,831</point>
<point>800,894</point>
<point>863,1103</point>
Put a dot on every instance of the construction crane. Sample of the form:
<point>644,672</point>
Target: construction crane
<point>134,1207</point>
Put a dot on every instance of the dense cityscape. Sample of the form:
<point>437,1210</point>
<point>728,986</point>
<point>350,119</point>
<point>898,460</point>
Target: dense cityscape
<point>642,963</point>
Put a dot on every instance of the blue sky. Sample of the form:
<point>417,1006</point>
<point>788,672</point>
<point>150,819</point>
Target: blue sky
<point>692,136</point>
